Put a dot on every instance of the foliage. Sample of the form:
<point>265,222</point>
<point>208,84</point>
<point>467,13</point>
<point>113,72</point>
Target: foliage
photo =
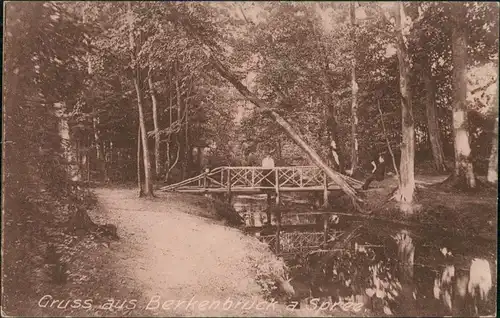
<point>268,276</point>
<point>44,70</point>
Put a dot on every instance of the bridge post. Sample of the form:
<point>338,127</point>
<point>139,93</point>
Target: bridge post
<point>277,211</point>
<point>268,209</point>
<point>278,230</point>
<point>253,178</point>
<point>229,195</point>
<point>326,204</point>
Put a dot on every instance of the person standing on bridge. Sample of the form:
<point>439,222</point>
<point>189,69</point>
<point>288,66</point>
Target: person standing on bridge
<point>268,165</point>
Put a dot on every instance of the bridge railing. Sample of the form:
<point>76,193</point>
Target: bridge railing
<point>259,177</point>
<point>251,177</point>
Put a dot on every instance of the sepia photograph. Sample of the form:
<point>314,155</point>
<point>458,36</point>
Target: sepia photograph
<point>249,159</point>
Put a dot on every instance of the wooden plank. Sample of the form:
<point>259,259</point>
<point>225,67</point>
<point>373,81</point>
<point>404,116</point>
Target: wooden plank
<point>248,190</point>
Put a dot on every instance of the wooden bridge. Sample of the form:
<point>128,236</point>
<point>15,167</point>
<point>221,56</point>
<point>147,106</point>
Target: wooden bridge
<point>252,180</point>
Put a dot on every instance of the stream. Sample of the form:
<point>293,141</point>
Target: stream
<point>358,265</point>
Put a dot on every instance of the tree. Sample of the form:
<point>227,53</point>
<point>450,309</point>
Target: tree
<point>354,89</point>
<point>492,176</point>
<point>137,79</point>
<point>44,70</point>
<point>431,114</point>
<point>464,173</point>
<point>407,165</point>
<point>154,103</point>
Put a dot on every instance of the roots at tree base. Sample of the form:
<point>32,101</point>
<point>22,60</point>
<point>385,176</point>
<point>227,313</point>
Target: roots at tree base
<point>454,183</point>
<point>405,205</point>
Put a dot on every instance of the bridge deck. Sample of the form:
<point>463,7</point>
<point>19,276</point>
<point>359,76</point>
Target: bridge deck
<point>195,189</point>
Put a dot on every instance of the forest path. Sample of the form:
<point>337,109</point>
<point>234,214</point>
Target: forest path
<point>165,252</point>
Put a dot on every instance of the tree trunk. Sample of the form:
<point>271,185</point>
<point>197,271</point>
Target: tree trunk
<point>335,176</point>
<point>148,181</point>
<point>89,71</point>
<point>431,112</point>
<point>188,150</point>
<point>464,173</point>
<point>279,150</point>
<point>335,146</point>
<point>101,164</point>
<point>354,89</point>
<point>156,126</point>
<point>67,146</point>
<point>492,176</point>
<point>180,145</point>
<point>87,157</point>
<point>336,151</point>
<point>95,118</point>
<point>139,181</point>
<point>170,106</point>
<point>175,161</point>
<point>493,164</point>
<point>407,172</point>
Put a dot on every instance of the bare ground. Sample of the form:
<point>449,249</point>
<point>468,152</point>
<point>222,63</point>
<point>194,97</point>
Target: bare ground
<point>167,251</point>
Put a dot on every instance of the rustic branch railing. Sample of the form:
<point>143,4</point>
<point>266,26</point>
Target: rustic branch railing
<point>258,178</point>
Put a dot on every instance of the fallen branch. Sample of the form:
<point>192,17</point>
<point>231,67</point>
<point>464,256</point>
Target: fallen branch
<point>224,72</point>
<point>484,87</point>
<point>335,176</point>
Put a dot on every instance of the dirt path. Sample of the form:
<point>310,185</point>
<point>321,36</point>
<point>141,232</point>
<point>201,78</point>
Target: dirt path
<point>177,257</point>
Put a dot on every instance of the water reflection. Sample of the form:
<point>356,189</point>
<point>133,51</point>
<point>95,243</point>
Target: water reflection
<point>366,270</point>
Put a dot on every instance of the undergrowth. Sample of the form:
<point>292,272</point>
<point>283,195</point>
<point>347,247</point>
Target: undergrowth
<point>33,225</point>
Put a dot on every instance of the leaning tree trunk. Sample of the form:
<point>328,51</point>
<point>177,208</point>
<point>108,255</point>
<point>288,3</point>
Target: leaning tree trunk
<point>407,172</point>
<point>464,173</point>
<point>431,112</point>
<point>354,90</point>
<point>492,176</point>
<point>148,181</point>
<point>335,176</point>
<point>156,126</point>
